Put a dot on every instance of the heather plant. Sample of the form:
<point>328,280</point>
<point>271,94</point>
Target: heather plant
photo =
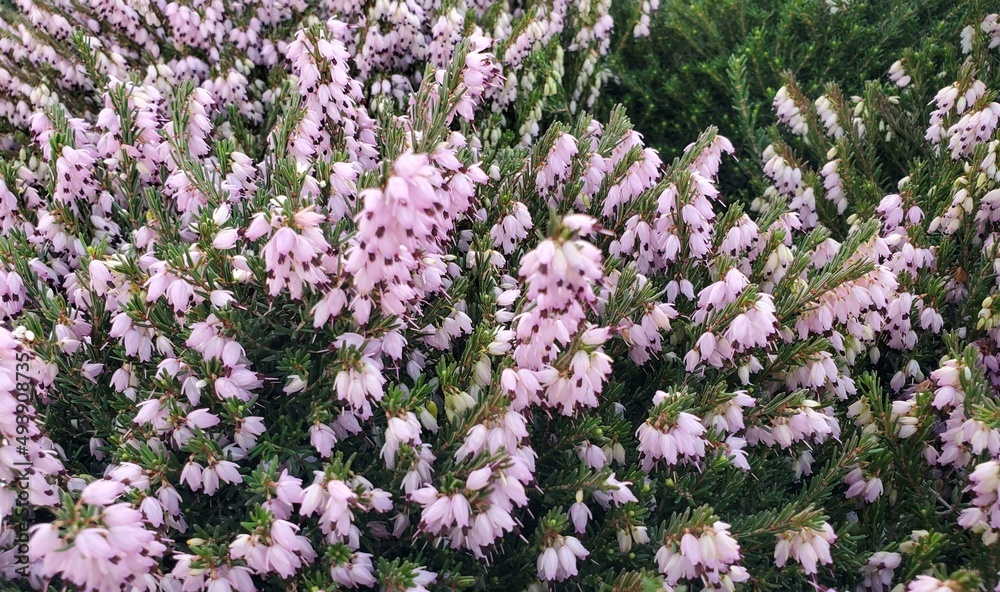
<point>918,157</point>
<point>66,53</point>
<point>414,321</point>
<point>674,78</point>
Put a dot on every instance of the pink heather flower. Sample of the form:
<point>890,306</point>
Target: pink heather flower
<point>237,382</point>
<point>594,456</point>
<point>67,340</point>
<point>479,528</point>
<point>582,385</point>
<point>12,293</point>
<point>734,449</point>
<point>295,384</point>
<point>641,28</point>
<point>479,478</point>
<point>283,494</point>
<point>191,475</point>
<point>207,340</point>
<point>670,436</point>
<point>880,569</point>
<point>742,236</point>
<point>981,437</point>
<point>116,551</point>
<point>201,419</point>
<point>220,576</point>
<point>102,492</point>
<point>331,96</point>
<point>447,34</point>
<point>420,469</point>
<point>329,308</point>
<point>709,348</point>
<point>991,26</point>
<point>220,471</point>
<point>579,514</point>
<point>286,554</point>
<point>288,551</point>
<point>955,449</point>
<point>558,163</point>
<point>487,528</point>
<point>945,100</point>
<point>808,546</point>
<point>178,291</point>
<point>480,74</point>
<point>334,498</point>
<point>947,379</point>
<point>421,578</point>
<point>897,74</point>
<point>91,371</point>
<point>322,438</point>
<point>858,486</point>
<point>354,573</point>
<point>297,255</point>
<point>803,464</point>
<point>641,176</point>
<point>720,294</point>
<point>931,584</point>
<point>827,113</point>
<point>400,430</point>
<point>644,338</point>
<point>336,502</point>
<point>618,493</point>
<point>710,555</point>
<point>503,432</point>
<point>752,328</point>
<point>441,512</point>
<point>973,129</point>
<point>787,180</point>
<point>512,229</point>
<point>251,549</point>
<point>248,429</point>
<point>359,382</point>
<point>558,561</point>
<point>130,475</point>
<point>728,416</point>
<point>796,424</point>
<point>788,112</point>
<point>984,483</point>
<point>633,535</point>
<point>138,342</point>
<point>561,274</point>
<point>405,219</point>
<point>241,181</point>
<point>73,176</point>
<point>372,499</point>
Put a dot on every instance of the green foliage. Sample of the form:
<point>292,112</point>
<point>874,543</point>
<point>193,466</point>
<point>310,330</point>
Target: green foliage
<point>675,82</point>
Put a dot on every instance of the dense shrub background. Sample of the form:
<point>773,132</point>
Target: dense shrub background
<point>675,80</point>
<point>307,269</point>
